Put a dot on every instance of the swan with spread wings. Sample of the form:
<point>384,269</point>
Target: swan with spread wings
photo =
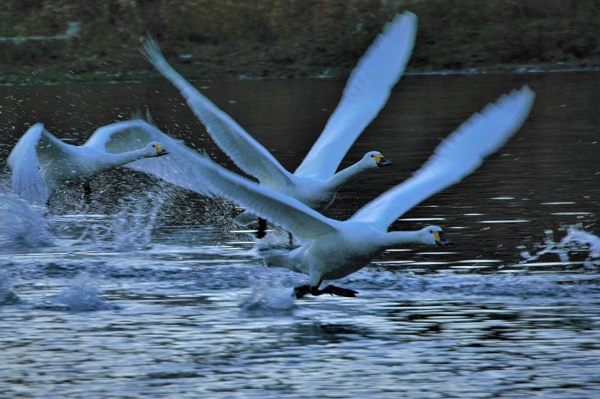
<point>315,182</point>
<point>331,249</point>
<point>40,163</point>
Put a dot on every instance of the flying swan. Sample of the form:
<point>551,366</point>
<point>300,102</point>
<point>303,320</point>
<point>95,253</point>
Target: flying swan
<point>331,249</point>
<point>314,182</point>
<point>40,162</point>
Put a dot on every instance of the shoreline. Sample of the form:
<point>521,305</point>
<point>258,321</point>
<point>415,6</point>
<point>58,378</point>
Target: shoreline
<point>144,76</point>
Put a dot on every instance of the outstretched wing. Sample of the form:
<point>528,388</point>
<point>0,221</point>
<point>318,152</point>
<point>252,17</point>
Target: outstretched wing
<point>176,168</point>
<point>125,136</point>
<point>287,212</point>
<point>457,156</point>
<point>366,92</point>
<point>247,153</point>
<point>26,164</point>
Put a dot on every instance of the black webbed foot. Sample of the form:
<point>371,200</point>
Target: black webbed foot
<point>333,290</point>
<point>304,290</point>
<point>301,291</point>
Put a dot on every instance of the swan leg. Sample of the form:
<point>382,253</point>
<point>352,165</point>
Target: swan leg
<point>262,228</point>
<point>87,192</point>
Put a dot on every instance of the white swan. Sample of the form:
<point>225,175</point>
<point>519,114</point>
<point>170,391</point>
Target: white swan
<point>314,182</point>
<point>331,249</point>
<point>40,162</point>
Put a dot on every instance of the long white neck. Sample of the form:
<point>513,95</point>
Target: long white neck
<point>395,238</point>
<point>344,175</point>
<point>114,160</point>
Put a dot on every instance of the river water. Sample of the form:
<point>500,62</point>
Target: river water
<point>149,291</point>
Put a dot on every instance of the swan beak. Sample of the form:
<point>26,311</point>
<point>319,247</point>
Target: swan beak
<point>380,160</point>
<point>441,240</point>
<point>160,151</point>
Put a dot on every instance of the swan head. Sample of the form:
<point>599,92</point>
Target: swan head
<point>434,235</point>
<point>156,150</point>
<point>375,159</point>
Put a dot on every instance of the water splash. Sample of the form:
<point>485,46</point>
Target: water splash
<point>266,300</point>
<point>575,241</point>
<point>129,229</point>
<point>275,242</point>
<point>7,295</point>
<point>132,228</point>
<point>82,296</point>
<point>582,239</point>
<point>22,224</point>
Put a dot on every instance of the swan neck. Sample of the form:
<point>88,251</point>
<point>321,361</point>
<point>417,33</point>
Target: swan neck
<point>394,238</point>
<point>344,175</point>
<point>129,156</point>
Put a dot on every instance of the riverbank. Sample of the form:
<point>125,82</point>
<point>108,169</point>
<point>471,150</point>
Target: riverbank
<point>56,41</point>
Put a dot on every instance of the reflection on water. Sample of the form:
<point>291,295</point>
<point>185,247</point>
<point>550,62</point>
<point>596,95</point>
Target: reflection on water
<point>148,291</point>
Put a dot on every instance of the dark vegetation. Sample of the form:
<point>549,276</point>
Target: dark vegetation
<point>208,39</point>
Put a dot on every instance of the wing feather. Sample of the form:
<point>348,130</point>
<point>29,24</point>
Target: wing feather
<point>366,92</point>
<point>247,153</point>
<point>26,165</point>
<point>125,136</point>
<point>289,213</point>
<point>178,167</point>
<point>457,156</point>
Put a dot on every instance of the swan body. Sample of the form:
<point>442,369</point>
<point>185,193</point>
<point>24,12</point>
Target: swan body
<point>331,249</point>
<point>40,162</point>
<point>315,182</point>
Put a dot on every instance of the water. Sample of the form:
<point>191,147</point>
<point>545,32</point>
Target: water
<point>148,291</point>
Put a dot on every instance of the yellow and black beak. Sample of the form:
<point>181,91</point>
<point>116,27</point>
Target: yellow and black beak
<point>159,150</point>
<point>380,160</point>
<point>440,239</point>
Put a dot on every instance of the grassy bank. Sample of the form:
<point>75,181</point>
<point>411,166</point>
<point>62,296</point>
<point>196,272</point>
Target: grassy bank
<point>215,39</point>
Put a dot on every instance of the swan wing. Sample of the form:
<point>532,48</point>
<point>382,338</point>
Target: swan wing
<point>178,167</point>
<point>36,149</point>
<point>287,212</point>
<point>247,153</point>
<point>125,136</point>
<point>457,156</point>
<point>366,92</point>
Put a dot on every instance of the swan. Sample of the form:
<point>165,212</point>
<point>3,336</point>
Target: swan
<point>331,249</point>
<point>314,182</point>
<point>40,162</point>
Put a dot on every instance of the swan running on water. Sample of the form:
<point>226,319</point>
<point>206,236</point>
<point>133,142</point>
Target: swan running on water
<point>40,162</point>
<point>331,249</point>
<point>315,182</point>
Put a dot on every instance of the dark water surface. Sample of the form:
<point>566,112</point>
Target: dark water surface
<point>147,291</point>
